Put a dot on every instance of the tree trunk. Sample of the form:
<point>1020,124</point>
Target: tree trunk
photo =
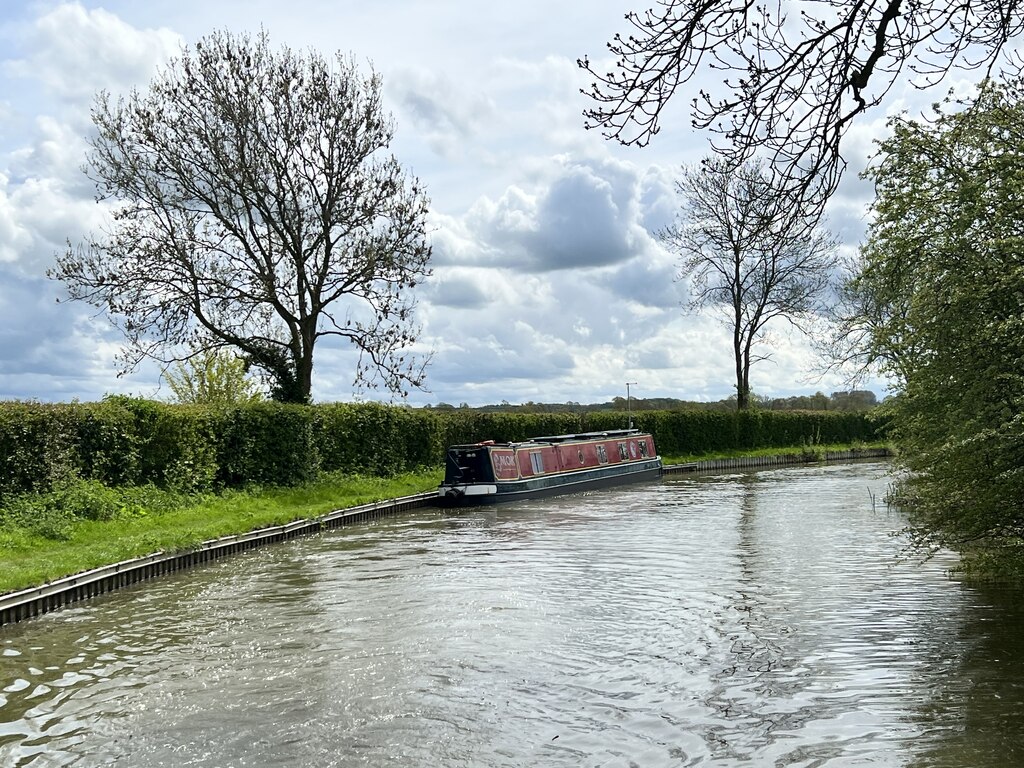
<point>742,397</point>
<point>742,388</point>
<point>304,374</point>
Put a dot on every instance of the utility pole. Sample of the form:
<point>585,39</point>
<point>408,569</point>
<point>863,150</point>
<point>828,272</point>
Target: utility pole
<point>629,411</point>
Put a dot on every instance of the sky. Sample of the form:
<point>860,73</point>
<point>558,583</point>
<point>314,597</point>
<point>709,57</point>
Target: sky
<point>549,283</point>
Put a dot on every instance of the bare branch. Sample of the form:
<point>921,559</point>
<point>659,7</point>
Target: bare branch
<point>794,75</point>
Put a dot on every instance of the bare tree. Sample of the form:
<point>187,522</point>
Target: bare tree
<point>749,250</point>
<point>257,209</point>
<point>795,73</point>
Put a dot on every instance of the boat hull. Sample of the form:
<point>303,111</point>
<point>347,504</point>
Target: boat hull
<point>471,494</point>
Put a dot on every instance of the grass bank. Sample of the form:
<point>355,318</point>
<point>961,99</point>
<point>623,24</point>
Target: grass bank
<point>85,525</point>
<point>44,538</point>
<point>809,452</point>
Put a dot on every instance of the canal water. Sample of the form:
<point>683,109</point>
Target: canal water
<point>768,618</point>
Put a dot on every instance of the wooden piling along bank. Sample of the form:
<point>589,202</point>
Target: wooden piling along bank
<point>28,603</point>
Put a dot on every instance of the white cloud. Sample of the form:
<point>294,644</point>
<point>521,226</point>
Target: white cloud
<point>576,214</point>
<point>45,199</point>
<point>50,350</point>
<point>14,235</point>
<point>446,115</point>
<point>74,52</point>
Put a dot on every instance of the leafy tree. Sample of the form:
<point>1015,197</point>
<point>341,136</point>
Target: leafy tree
<point>793,76</point>
<point>854,400</point>
<point>257,209</point>
<point>750,251</point>
<point>944,261</point>
<point>212,377</point>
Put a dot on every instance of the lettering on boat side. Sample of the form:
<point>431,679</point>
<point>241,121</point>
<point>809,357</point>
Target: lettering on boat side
<point>504,463</point>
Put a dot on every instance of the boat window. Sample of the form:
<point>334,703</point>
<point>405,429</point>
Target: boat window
<point>643,449</point>
<point>623,453</point>
<point>580,454</point>
<point>537,462</point>
<point>602,454</point>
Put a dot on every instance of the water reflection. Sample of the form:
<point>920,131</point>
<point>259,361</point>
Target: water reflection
<point>756,618</point>
<point>976,708</point>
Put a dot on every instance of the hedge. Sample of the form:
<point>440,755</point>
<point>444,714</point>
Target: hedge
<point>127,441</point>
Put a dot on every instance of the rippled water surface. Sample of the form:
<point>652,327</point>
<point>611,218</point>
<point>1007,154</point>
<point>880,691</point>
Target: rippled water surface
<point>747,619</point>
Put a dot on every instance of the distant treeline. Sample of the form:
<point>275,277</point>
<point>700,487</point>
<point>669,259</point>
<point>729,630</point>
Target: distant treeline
<point>856,400</point>
<point>125,441</point>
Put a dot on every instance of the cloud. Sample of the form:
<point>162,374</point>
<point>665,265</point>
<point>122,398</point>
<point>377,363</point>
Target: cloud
<point>649,279</point>
<point>575,214</point>
<point>580,224</point>
<point>445,115</point>
<point>657,198</point>
<point>57,349</point>
<point>45,199</point>
<point>60,351</point>
<point>458,290</point>
<point>554,284</point>
<point>481,360</point>
<point>75,52</point>
<point>14,235</point>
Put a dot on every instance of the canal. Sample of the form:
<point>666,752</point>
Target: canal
<point>766,618</point>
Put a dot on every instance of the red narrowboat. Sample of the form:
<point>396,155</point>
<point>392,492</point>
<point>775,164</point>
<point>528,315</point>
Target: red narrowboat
<point>489,472</point>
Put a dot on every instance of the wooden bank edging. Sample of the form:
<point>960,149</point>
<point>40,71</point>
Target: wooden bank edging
<point>35,601</point>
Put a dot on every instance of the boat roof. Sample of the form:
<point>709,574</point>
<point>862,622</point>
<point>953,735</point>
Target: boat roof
<point>576,436</point>
<point>584,436</point>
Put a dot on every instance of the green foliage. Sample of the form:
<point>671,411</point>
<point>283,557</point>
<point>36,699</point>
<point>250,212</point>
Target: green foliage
<point>176,444</point>
<point>53,515</point>
<point>266,443</point>
<point>280,369</point>
<point>89,484</point>
<point>212,377</point>
<point>125,442</point>
<point>108,444</point>
<point>377,439</point>
<point>36,515</point>
<point>87,499</point>
<point>943,273</point>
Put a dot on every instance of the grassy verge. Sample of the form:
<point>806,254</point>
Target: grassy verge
<point>811,452</point>
<point>39,544</point>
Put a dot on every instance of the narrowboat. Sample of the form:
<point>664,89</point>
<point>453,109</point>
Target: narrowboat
<point>489,472</point>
